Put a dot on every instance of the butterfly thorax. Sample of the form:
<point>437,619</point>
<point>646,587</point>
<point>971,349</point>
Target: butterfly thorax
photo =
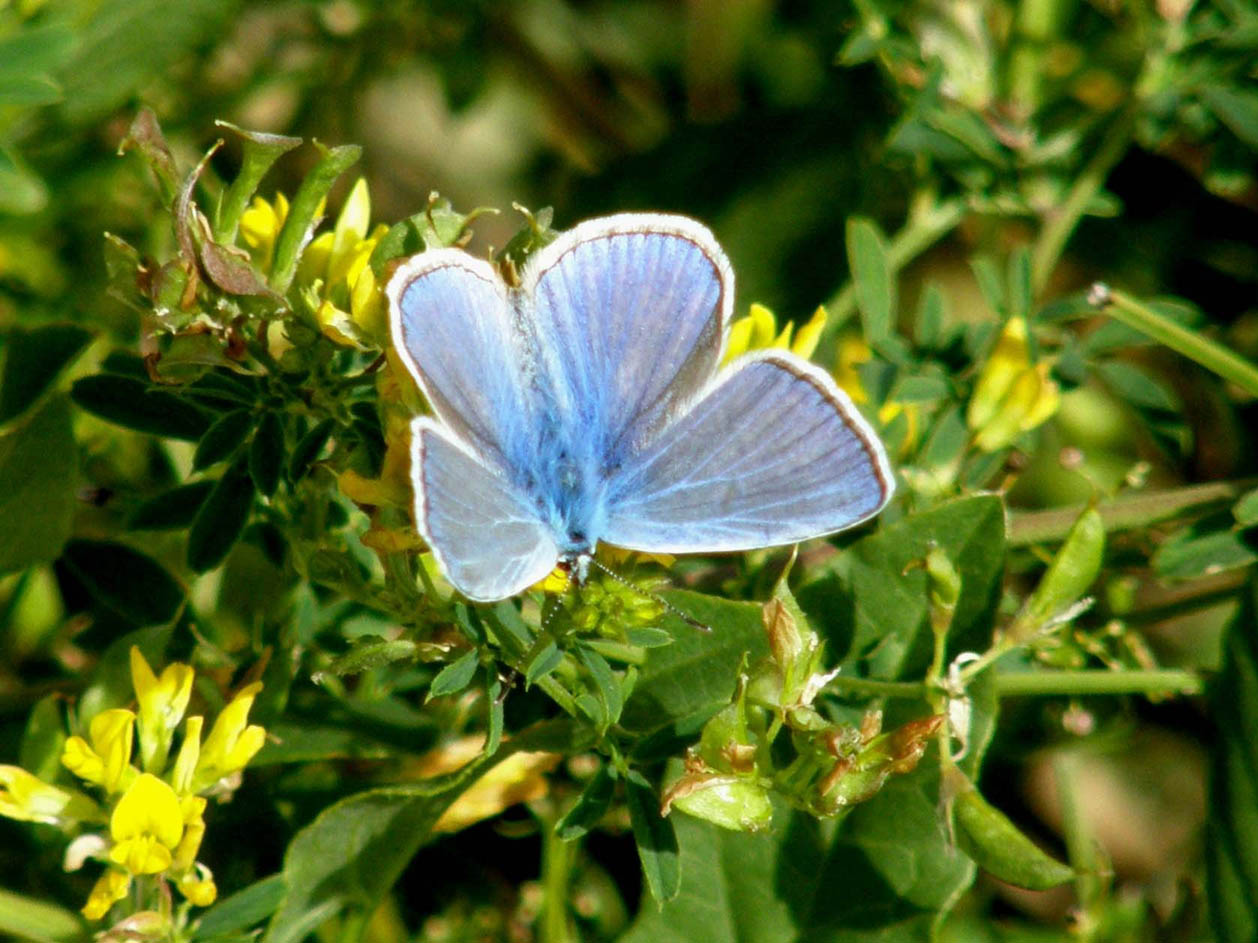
<point>568,486</point>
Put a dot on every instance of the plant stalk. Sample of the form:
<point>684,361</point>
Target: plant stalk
<point>1099,681</point>
<point>1212,355</point>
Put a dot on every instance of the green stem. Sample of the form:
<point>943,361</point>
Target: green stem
<point>1080,840</point>
<point>1061,223</point>
<point>1099,681</point>
<point>870,687</point>
<point>1210,354</point>
<point>928,222</point>
<point>1124,513</point>
<point>556,868</point>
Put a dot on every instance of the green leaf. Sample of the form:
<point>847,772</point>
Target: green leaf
<point>222,439</point>
<point>38,476</point>
<point>25,918</point>
<point>687,682</point>
<point>221,519</point>
<point>1137,387</point>
<point>266,454</point>
<point>300,219</point>
<point>455,676</point>
<point>885,626</point>
<point>373,652</point>
<point>174,509</point>
<point>28,90</point>
<point>130,583</point>
<point>541,661</point>
<point>259,151</point>
<point>308,448</point>
<point>242,909</point>
<point>1235,107</point>
<point>135,404</point>
<point>34,359</point>
<point>872,278</point>
<point>348,857</point>
<point>1232,827</point>
<point>991,284</point>
<point>606,686</point>
<point>885,874</point>
<point>590,806</point>
<point>655,838</point>
<point>43,738</point>
<point>1020,290</point>
<point>1204,548</point>
<point>36,49</point>
<point>1246,509</point>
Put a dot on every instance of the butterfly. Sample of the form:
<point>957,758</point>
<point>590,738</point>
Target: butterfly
<point>584,404</point>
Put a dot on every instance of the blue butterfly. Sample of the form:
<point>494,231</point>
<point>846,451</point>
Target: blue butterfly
<point>585,405</point>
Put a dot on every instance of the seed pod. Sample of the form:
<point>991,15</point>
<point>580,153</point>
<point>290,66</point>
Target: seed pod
<point>1001,849</point>
<point>1072,571</point>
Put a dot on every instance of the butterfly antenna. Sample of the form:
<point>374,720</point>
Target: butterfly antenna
<point>688,619</point>
<point>546,620</point>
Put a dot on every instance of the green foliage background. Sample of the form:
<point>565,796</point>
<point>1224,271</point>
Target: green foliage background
<point>931,172</point>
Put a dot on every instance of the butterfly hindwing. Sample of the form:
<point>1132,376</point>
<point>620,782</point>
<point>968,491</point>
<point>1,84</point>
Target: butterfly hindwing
<point>485,535</point>
<point>772,454</point>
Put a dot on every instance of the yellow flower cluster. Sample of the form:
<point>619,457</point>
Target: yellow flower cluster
<point>1012,395</point>
<point>154,811</point>
<point>334,274</point>
<point>759,331</point>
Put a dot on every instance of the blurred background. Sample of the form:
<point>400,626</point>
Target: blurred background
<point>774,122</point>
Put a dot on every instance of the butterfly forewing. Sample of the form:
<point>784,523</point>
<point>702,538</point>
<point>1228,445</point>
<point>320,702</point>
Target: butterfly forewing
<point>774,453</point>
<point>454,325</point>
<point>630,313</point>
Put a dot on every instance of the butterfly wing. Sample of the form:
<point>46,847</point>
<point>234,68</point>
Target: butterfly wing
<point>630,313</point>
<point>455,328</point>
<point>772,454</point>
<point>485,535</point>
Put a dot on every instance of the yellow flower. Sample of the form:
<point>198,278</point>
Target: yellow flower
<point>147,826</point>
<point>107,760</point>
<point>29,799</point>
<point>162,704</point>
<point>110,888</point>
<point>198,886</point>
<point>852,352</point>
<point>759,330</point>
<point>184,770</point>
<point>1012,395</point>
<point>260,226</point>
<point>231,744</point>
<point>348,302</point>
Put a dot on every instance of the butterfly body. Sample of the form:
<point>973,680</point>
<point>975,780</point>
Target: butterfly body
<point>585,405</point>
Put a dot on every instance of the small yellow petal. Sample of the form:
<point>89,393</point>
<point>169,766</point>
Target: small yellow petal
<point>739,339</point>
<point>763,326</point>
<point>111,887</point>
<point>1046,401</point>
<point>1009,358</point>
<point>84,762</point>
<point>809,334</point>
<point>198,886</point>
<point>148,807</point>
<point>189,752</point>
<point>314,259</point>
<point>352,223</point>
<point>28,798</point>
<point>143,854</point>
<point>111,733</point>
<point>852,352</point>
